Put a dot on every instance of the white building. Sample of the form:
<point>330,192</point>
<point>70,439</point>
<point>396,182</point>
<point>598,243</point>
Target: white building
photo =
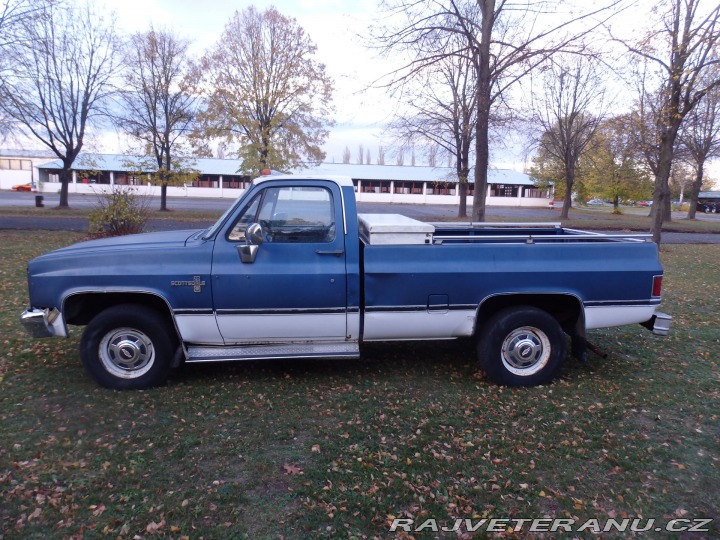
<point>20,166</point>
<point>221,178</point>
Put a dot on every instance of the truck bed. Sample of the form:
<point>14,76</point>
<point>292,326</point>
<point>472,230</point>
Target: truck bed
<point>394,229</point>
<point>428,283</point>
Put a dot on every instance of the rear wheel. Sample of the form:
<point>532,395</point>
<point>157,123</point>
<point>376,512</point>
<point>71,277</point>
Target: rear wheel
<point>128,347</point>
<point>522,346</point>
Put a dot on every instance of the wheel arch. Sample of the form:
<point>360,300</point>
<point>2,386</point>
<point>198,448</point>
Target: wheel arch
<point>81,307</point>
<point>566,308</point>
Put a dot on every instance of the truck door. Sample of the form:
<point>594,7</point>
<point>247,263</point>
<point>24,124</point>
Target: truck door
<point>295,288</point>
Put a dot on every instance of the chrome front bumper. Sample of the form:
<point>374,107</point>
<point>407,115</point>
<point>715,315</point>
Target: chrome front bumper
<point>41,323</point>
<point>659,323</point>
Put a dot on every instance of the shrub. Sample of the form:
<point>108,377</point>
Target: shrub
<point>120,211</point>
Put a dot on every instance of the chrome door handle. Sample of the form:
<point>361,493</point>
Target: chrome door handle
<point>337,252</point>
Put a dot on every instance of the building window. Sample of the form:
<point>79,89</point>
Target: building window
<point>442,188</point>
<point>503,190</point>
<point>205,181</point>
<point>536,193</point>
<point>415,188</point>
<point>376,186</point>
<point>16,164</point>
<point>235,182</point>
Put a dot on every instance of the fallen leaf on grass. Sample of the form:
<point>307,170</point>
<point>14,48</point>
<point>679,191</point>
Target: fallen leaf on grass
<point>155,527</point>
<point>292,469</point>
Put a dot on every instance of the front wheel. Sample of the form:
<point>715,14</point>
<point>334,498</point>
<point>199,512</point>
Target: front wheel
<point>128,347</point>
<point>522,346</point>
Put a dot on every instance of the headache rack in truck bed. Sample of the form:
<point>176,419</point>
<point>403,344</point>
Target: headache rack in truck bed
<point>528,233</point>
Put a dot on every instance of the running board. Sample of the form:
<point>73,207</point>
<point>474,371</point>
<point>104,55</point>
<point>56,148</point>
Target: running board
<point>331,349</point>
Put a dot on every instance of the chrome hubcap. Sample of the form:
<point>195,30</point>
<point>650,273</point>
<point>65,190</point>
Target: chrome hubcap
<point>525,351</point>
<point>126,353</point>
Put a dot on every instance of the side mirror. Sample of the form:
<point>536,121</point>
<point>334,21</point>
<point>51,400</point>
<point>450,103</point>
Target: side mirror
<point>253,237</point>
<point>254,234</point>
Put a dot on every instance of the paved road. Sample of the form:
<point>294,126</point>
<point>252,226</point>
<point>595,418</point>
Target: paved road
<point>417,211</point>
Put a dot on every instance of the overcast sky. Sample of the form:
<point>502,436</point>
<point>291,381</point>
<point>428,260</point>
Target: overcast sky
<point>337,27</point>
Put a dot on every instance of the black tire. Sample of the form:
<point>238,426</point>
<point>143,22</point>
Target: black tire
<point>522,346</point>
<point>128,347</point>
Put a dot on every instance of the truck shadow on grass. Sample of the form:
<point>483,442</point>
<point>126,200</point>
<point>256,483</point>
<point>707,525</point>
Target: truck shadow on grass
<point>409,363</point>
<point>437,359</point>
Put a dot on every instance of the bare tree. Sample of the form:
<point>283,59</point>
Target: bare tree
<point>700,136</point>
<point>503,40</point>
<point>361,155</point>
<point>381,156</point>
<point>683,48</point>
<point>400,157</point>
<point>62,65</point>
<point>367,157</point>
<point>267,93</point>
<point>441,110</point>
<point>568,115</point>
<point>346,155</point>
<point>10,13</point>
<point>642,122</point>
<point>158,108</point>
<point>13,15</point>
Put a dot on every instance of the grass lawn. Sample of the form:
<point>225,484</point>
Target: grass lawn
<point>334,449</point>
<point>55,212</point>
<point>635,219</point>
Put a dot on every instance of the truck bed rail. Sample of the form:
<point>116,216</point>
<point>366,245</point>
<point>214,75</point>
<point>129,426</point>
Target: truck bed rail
<point>527,232</point>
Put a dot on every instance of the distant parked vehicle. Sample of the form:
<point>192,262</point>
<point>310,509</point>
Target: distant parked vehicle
<point>23,187</point>
<point>645,203</point>
<point>708,202</point>
<point>595,202</point>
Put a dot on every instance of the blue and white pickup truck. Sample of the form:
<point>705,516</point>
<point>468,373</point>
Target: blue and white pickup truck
<point>292,271</point>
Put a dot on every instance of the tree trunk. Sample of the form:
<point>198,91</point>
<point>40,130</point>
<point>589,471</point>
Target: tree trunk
<point>482,160</point>
<point>696,187</point>
<point>165,163</point>
<point>661,193</point>
<point>65,177</point>
<point>163,197</point>
<point>482,149</point>
<point>657,214</point>
<point>569,183</point>
<point>462,191</point>
<point>667,206</point>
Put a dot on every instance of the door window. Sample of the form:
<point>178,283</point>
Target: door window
<point>290,214</point>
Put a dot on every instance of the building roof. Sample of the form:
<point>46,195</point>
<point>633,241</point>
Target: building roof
<point>123,163</point>
<point>230,167</point>
<point>22,153</point>
<point>411,173</point>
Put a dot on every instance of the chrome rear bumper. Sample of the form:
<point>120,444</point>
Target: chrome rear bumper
<point>659,323</point>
